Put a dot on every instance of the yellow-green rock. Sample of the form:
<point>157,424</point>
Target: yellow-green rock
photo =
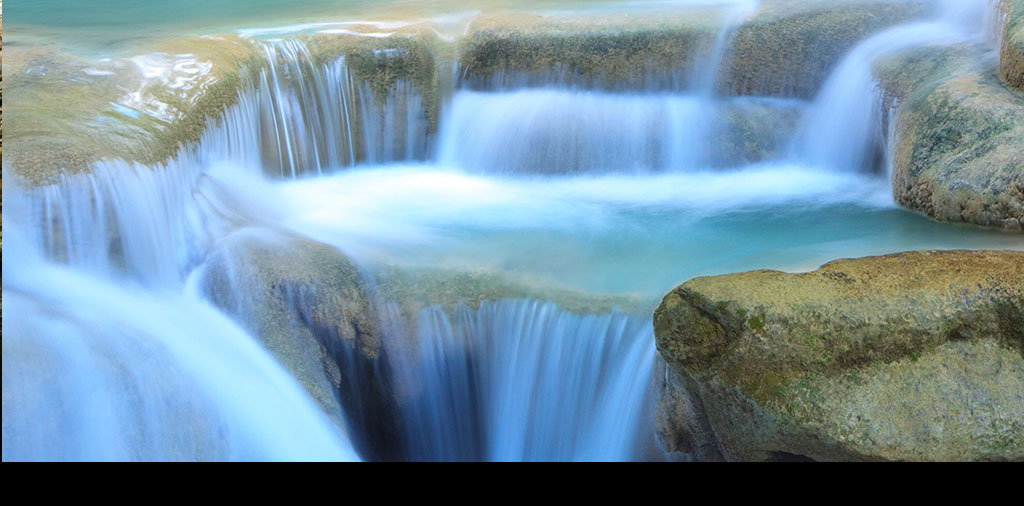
<point>910,356</point>
<point>1011,54</point>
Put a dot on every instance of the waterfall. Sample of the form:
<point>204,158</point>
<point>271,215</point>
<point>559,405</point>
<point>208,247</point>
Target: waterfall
<point>302,117</point>
<point>97,367</point>
<point>553,131</point>
<point>705,73</point>
<point>552,127</point>
<point>137,323</point>
<point>561,132</point>
<point>843,129</point>
<point>524,380</point>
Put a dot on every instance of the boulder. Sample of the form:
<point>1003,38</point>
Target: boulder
<point>957,133</point>
<point>910,356</point>
<point>591,50</point>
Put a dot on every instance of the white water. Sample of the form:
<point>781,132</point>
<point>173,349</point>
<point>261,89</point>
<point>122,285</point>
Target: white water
<point>520,380</point>
<point>115,355</point>
<point>843,129</point>
<point>96,369</point>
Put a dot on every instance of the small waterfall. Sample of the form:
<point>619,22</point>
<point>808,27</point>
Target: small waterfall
<point>99,369</point>
<point>551,131</point>
<point>705,73</point>
<point>558,128</point>
<point>302,117</point>
<point>561,132</point>
<point>306,111</point>
<point>843,129</point>
<point>523,380</point>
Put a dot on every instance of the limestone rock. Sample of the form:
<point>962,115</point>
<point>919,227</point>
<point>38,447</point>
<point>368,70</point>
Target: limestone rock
<point>958,154</point>
<point>311,308</point>
<point>790,47</point>
<point>1011,54</point>
<point>910,356</point>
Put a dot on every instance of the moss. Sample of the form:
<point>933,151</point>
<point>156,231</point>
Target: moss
<point>384,63</point>
<point>1011,54</point>
<point>780,50</point>
<point>55,130</point>
<point>593,51</point>
<point>756,323</point>
<point>846,339</point>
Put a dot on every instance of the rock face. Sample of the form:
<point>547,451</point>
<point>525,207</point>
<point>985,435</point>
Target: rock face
<point>784,48</point>
<point>1011,54</point>
<point>310,307</point>
<point>958,133</point>
<point>958,153</point>
<point>911,356</point>
<point>789,47</point>
<point>587,50</point>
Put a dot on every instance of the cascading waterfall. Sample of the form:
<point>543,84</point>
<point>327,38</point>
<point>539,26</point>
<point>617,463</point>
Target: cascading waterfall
<point>524,380</point>
<point>843,128</point>
<point>558,129</point>
<point>103,364</point>
<point>561,132</point>
<point>553,131</point>
<point>117,349</point>
<point>314,118</point>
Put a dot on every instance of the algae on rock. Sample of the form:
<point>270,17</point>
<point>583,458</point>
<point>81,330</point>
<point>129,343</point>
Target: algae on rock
<point>910,356</point>
<point>1011,52</point>
<point>311,308</point>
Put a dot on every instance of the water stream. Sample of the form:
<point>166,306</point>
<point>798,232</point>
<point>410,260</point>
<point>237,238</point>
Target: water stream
<point>591,204</point>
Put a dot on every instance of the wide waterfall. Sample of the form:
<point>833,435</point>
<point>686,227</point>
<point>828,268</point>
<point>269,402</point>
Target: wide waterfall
<point>488,382</point>
<point>509,241</point>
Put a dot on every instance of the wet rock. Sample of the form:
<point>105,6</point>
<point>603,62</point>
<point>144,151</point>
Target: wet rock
<point>957,154</point>
<point>1011,54</point>
<point>594,51</point>
<point>74,111</point>
<point>788,48</point>
<point>957,132</point>
<point>785,48</point>
<point>309,305</point>
<point>911,356</point>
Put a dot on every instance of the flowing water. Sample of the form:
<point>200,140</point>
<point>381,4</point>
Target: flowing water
<point>590,204</point>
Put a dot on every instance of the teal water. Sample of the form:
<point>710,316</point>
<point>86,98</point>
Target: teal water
<point>119,27</point>
<point>111,328</point>
<point>635,234</point>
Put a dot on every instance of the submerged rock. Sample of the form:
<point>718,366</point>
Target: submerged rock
<point>1011,54</point>
<point>910,356</point>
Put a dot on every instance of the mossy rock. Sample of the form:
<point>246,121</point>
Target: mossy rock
<point>77,111</point>
<point>958,151</point>
<point>64,101</point>
<point>311,308</point>
<point>413,288</point>
<point>1011,54</point>
<point>627,52</point>
<point>789,48</point>
<point>910,356</point>
<point>412,56</point>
